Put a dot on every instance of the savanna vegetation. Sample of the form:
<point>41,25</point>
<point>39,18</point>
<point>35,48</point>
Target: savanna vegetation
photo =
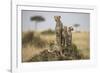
<point>36,47</point>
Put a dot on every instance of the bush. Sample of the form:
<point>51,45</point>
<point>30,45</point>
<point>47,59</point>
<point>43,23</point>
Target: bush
<point>72,52</point>
<point>27,37</point>
<point>38,42</point>
<point>49,31</point>
<point>77,52</point>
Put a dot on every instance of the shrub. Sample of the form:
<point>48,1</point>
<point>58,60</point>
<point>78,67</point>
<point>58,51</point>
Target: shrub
<point>27,37</point>
<point>76,52</point>
<point>38,42</point>
<point>72,52</point>
<point>49,31</point>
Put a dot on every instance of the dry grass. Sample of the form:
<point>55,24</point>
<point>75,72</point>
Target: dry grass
<point>30,51</point>
<point>48,38</point>
<point>80,39</point>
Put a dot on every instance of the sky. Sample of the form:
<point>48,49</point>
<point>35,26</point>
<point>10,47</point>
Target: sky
<point>67,18</point>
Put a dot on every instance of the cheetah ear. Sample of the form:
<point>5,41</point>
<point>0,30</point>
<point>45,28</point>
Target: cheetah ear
<point>59,16</point>
<point>72,28</point>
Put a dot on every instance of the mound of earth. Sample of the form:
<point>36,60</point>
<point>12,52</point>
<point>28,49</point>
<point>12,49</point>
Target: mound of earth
<point>64,54</point>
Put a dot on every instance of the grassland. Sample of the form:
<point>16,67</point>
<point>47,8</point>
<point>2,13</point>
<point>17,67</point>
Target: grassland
<point>37,42</point>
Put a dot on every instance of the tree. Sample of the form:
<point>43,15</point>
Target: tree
<point>37,19</point>
<point>76,26</point>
